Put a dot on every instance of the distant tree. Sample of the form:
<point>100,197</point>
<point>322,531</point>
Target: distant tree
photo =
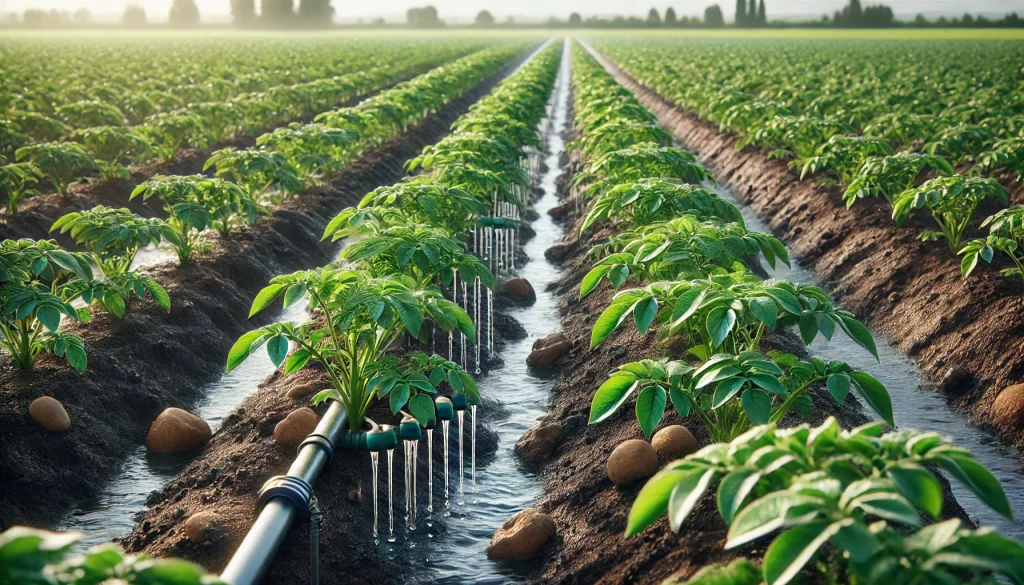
<point>425,17</point>
<point>277,12</point>
<point>761,16</point>
<point>670,16</point>
<point>920,21</point>
<point>82,16</point>
<point>713,17</point>
<point>510,21</point>
<point>134,16</point>
<point>685,21</point>
<point>379,22</point>
<point>967,20</point>
<point>741,12</point>
<point>752,13</point>
<point>484,18</point>
<point>653,18</point>
<point>575,19</point>
<point>317,13</point>
<point>34,18</point>
<point>243,12</point>
<point>184,13</point>
<point>880,16</point>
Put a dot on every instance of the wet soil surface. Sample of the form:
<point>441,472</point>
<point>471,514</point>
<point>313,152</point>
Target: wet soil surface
<point>909,290</point>
<point>150,360</point>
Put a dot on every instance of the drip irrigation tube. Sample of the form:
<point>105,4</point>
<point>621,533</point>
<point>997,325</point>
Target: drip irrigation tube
<point>284,501</point>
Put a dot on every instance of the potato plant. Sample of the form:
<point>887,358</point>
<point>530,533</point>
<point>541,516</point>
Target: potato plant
<point>860,490</point>
<point>32,556</point>
<point>17,182</point>
<point>62,163</point>
<point>951,201</point>
<point>112,147</point>
<point>1006,235</point>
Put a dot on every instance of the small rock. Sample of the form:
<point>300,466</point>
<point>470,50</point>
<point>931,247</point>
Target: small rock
<point>550,339</point>
<point>295,427</point>
<point>303,389</point>
<point>50,414</point>
<point>556,253</point>
<point>176,430</point>
<point>1008,409</point>
<point>559,212</point>
<point>955,378</point>
<point>538,443</point>
<point>546,356</point>
<point>674,442</point>
<point>894,297</point>
<point>203,527</point>
<point>520,290</point>
<point>353,496</point>
<point>632,460</point>
<point>522,536</point>
<point>531,215</point>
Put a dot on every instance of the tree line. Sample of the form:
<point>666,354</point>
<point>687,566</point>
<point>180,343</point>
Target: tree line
<point>320,13</point>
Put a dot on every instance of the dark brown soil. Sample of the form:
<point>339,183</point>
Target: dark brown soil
<point>36,215</point>
<point>589,510</point>
<point>911,291</point>
<point>151,360</point>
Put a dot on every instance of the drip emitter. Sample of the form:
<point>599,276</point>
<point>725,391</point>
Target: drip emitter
<point>445,412</point>
<point>375,440</point>
<point>409,431</point>
<point>459,403</point>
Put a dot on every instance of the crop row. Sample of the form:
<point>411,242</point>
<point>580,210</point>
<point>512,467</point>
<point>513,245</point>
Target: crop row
<point>354,331</point>
<point>843,498</point>
<point>931,128</point>
<point>408,245</point>
<point>41,282</point>
<point>62,151</point>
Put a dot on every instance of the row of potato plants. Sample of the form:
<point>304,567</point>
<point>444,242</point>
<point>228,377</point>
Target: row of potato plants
<point>843,499</point>
<point>382,289</point>
<point>854,115</point>
<point>86,138</point>
<point>406,246</point>
<point>41,281</point>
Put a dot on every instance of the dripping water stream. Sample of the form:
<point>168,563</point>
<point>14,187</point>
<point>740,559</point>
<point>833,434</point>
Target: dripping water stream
<point>916,404</point>
<point>504,486</point>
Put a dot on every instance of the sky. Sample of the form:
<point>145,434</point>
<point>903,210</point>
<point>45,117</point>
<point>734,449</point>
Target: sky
<point>460,10</point>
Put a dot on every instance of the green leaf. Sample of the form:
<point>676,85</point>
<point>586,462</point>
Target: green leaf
<point>422,408</point>
<point>733,491</point>
<point>720,322</point>
<point>297,361</point>
<point>243,348</point>
<point>644,313</point>
<point>76,357</point>
<point>757,406</point>
<point>399,396</point>
<point>592,279</point>
<point>652,501</point>
<point>277,349</point>
<point>650,408</point>
<point>726,389</point>
<point>875,394</point>
<point>859,333</point>
<point>687,492</point>
<point>49,317</point>
<point>764,310</point>
<point>611,395</point>
<point>808,326</point>
<point>265,297</point>
<point>793,549</point>
<point>978,479</point>
<point>838,386</point>
<point>769,383</point>
<point>680,402</point>
<point>612,317</point>
<point>918,485</point>
<point>765,515</point>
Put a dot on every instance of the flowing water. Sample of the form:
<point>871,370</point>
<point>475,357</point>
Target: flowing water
<point>505,486</point>
<point>915,403</point>
<point>112,512</point>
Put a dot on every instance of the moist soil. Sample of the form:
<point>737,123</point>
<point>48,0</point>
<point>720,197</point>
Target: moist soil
<point>589,511</point>
<point>36,215</point>
<point>151,360</point>
<point>909,290</point>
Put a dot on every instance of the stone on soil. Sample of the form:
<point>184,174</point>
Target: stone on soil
<point>632,460</point>
<point>556,253</point>
<point>203,527</point>
<point>955,379</point>
<point>546,356</point>
<point>294,429</point>
<point>50,414</point>
<point>550,339</point>
<point>538,443</point>
<point>674,442</point>
<point>520,290</point>
<point>176,430</point>
<point>522,536</point>
<point>304,389</point>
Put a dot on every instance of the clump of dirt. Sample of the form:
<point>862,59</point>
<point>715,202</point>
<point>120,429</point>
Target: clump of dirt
<point>150,360</point>
<point>910,290</point>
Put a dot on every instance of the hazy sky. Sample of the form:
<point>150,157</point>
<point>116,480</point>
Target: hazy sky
<point>461,9</point>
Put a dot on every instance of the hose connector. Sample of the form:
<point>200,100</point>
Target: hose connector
<point>445,410</point>
<point>294,489</point>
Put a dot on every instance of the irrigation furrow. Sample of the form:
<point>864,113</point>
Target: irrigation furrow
<point>910,381</point>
